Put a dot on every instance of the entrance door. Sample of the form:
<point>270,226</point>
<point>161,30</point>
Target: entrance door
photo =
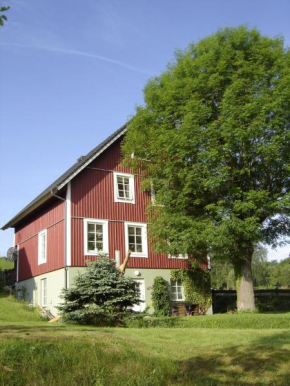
<point>140,307</point>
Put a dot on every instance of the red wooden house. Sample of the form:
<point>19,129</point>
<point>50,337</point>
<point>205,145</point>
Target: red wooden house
<point>95,205</point>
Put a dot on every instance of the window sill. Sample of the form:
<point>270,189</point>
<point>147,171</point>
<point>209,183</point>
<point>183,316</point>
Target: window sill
<point>97,253</point>
<point>125,201</point>
<point>138,255</point>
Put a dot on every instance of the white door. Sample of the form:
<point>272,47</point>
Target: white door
<point>140,307</point>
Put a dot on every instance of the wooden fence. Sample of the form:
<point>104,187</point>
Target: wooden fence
<point>267,300</point>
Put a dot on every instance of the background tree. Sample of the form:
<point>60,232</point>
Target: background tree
<point>101,295</point>
<point>214,137</point>
<point>4,264</point>
<point>222,275</point>
<point>261,268</point>
<point>222,272</point>
<point>280,274</point>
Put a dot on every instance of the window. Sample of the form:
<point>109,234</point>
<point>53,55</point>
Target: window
<point>42,246</point>
<point>136,239</point>
<point>141,306</point>
<point>43,293</point>
<point>177,292</point>
<point>96,236</point>
<point>180,256</point>
<point>153,194</point>
<point>124,188</point>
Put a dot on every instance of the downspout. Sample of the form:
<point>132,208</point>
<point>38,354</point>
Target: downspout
<point>65,235</point>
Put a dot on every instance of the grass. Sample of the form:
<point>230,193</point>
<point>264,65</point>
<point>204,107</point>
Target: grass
<point>219,321</point>
<point>33,352</point>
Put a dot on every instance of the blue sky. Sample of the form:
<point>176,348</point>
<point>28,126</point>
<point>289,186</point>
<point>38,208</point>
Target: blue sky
<point>73,72</point>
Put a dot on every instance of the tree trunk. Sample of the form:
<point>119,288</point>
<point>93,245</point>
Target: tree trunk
<point>244,285</point>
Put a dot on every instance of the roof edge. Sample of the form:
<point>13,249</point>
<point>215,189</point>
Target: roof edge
<point>58,185</point>
<point>91,159</point>
<point>24,213</point>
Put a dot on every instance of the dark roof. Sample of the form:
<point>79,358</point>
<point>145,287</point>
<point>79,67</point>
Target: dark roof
<point>59,183</point>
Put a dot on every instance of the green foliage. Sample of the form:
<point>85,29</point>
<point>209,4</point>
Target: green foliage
<point>161,297</point>
<point>3,17</point>
<point>280,274</point>
<point>196,284</point>
<point>215,128</point>
<point>222,275</point>
<point>4,264</point>
<point>101,295</point>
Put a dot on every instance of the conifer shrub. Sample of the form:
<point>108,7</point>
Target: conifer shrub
<point>100,296</point>
<point>161,297</point>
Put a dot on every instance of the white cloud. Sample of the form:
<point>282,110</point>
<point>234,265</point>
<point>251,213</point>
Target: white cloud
<point>279,253</point>
<point>81,53</point>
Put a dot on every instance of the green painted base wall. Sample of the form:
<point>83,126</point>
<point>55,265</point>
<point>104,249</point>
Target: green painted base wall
<point>56,280</point>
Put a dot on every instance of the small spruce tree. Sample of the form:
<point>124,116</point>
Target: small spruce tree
<point>161,297</point>
<point>101,295</point>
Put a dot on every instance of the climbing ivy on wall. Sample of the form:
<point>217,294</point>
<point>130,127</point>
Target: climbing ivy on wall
<point>196,284</point>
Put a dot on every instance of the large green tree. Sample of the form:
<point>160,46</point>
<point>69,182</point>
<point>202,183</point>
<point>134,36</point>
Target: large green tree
<point>2,16</point>
<point>213,139</point>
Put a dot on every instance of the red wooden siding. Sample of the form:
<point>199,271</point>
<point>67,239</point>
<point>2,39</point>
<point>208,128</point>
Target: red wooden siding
<point>117,242</point>
<point>93,197</point>
<point>51,218</point>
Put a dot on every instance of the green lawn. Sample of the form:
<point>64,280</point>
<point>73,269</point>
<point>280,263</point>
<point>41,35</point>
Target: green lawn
<point>33,352</point>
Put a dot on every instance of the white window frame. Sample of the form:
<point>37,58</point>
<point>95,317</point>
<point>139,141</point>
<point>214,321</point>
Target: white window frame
<point>131,187</point>
<point>43,292</point>
<point>143,227</point>
<point>105,226</point>
<point>141,306</point>
<point>179,257</point>
<point>175,285</point>
<point>40,259</point>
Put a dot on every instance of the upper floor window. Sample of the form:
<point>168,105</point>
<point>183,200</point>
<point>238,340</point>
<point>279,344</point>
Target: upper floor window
<point>177,292</point>
<point>42,246</point>
<point>136,239</point>
<point>180,256</point>
<point>124,188</point>
<point>95,236</point>
<point>177,255</point>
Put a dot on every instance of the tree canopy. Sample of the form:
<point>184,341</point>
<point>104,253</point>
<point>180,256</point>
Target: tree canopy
<point>213,139</point>
<point>3,16</point>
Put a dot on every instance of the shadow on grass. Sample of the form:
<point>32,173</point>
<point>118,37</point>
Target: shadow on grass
<point>46,328</point>
<point>263,362</point>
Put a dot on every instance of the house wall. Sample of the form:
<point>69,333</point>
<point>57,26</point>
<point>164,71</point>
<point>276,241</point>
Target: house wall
<point>30,289</point>
<point>50,217</point>
<point>92,196</point>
